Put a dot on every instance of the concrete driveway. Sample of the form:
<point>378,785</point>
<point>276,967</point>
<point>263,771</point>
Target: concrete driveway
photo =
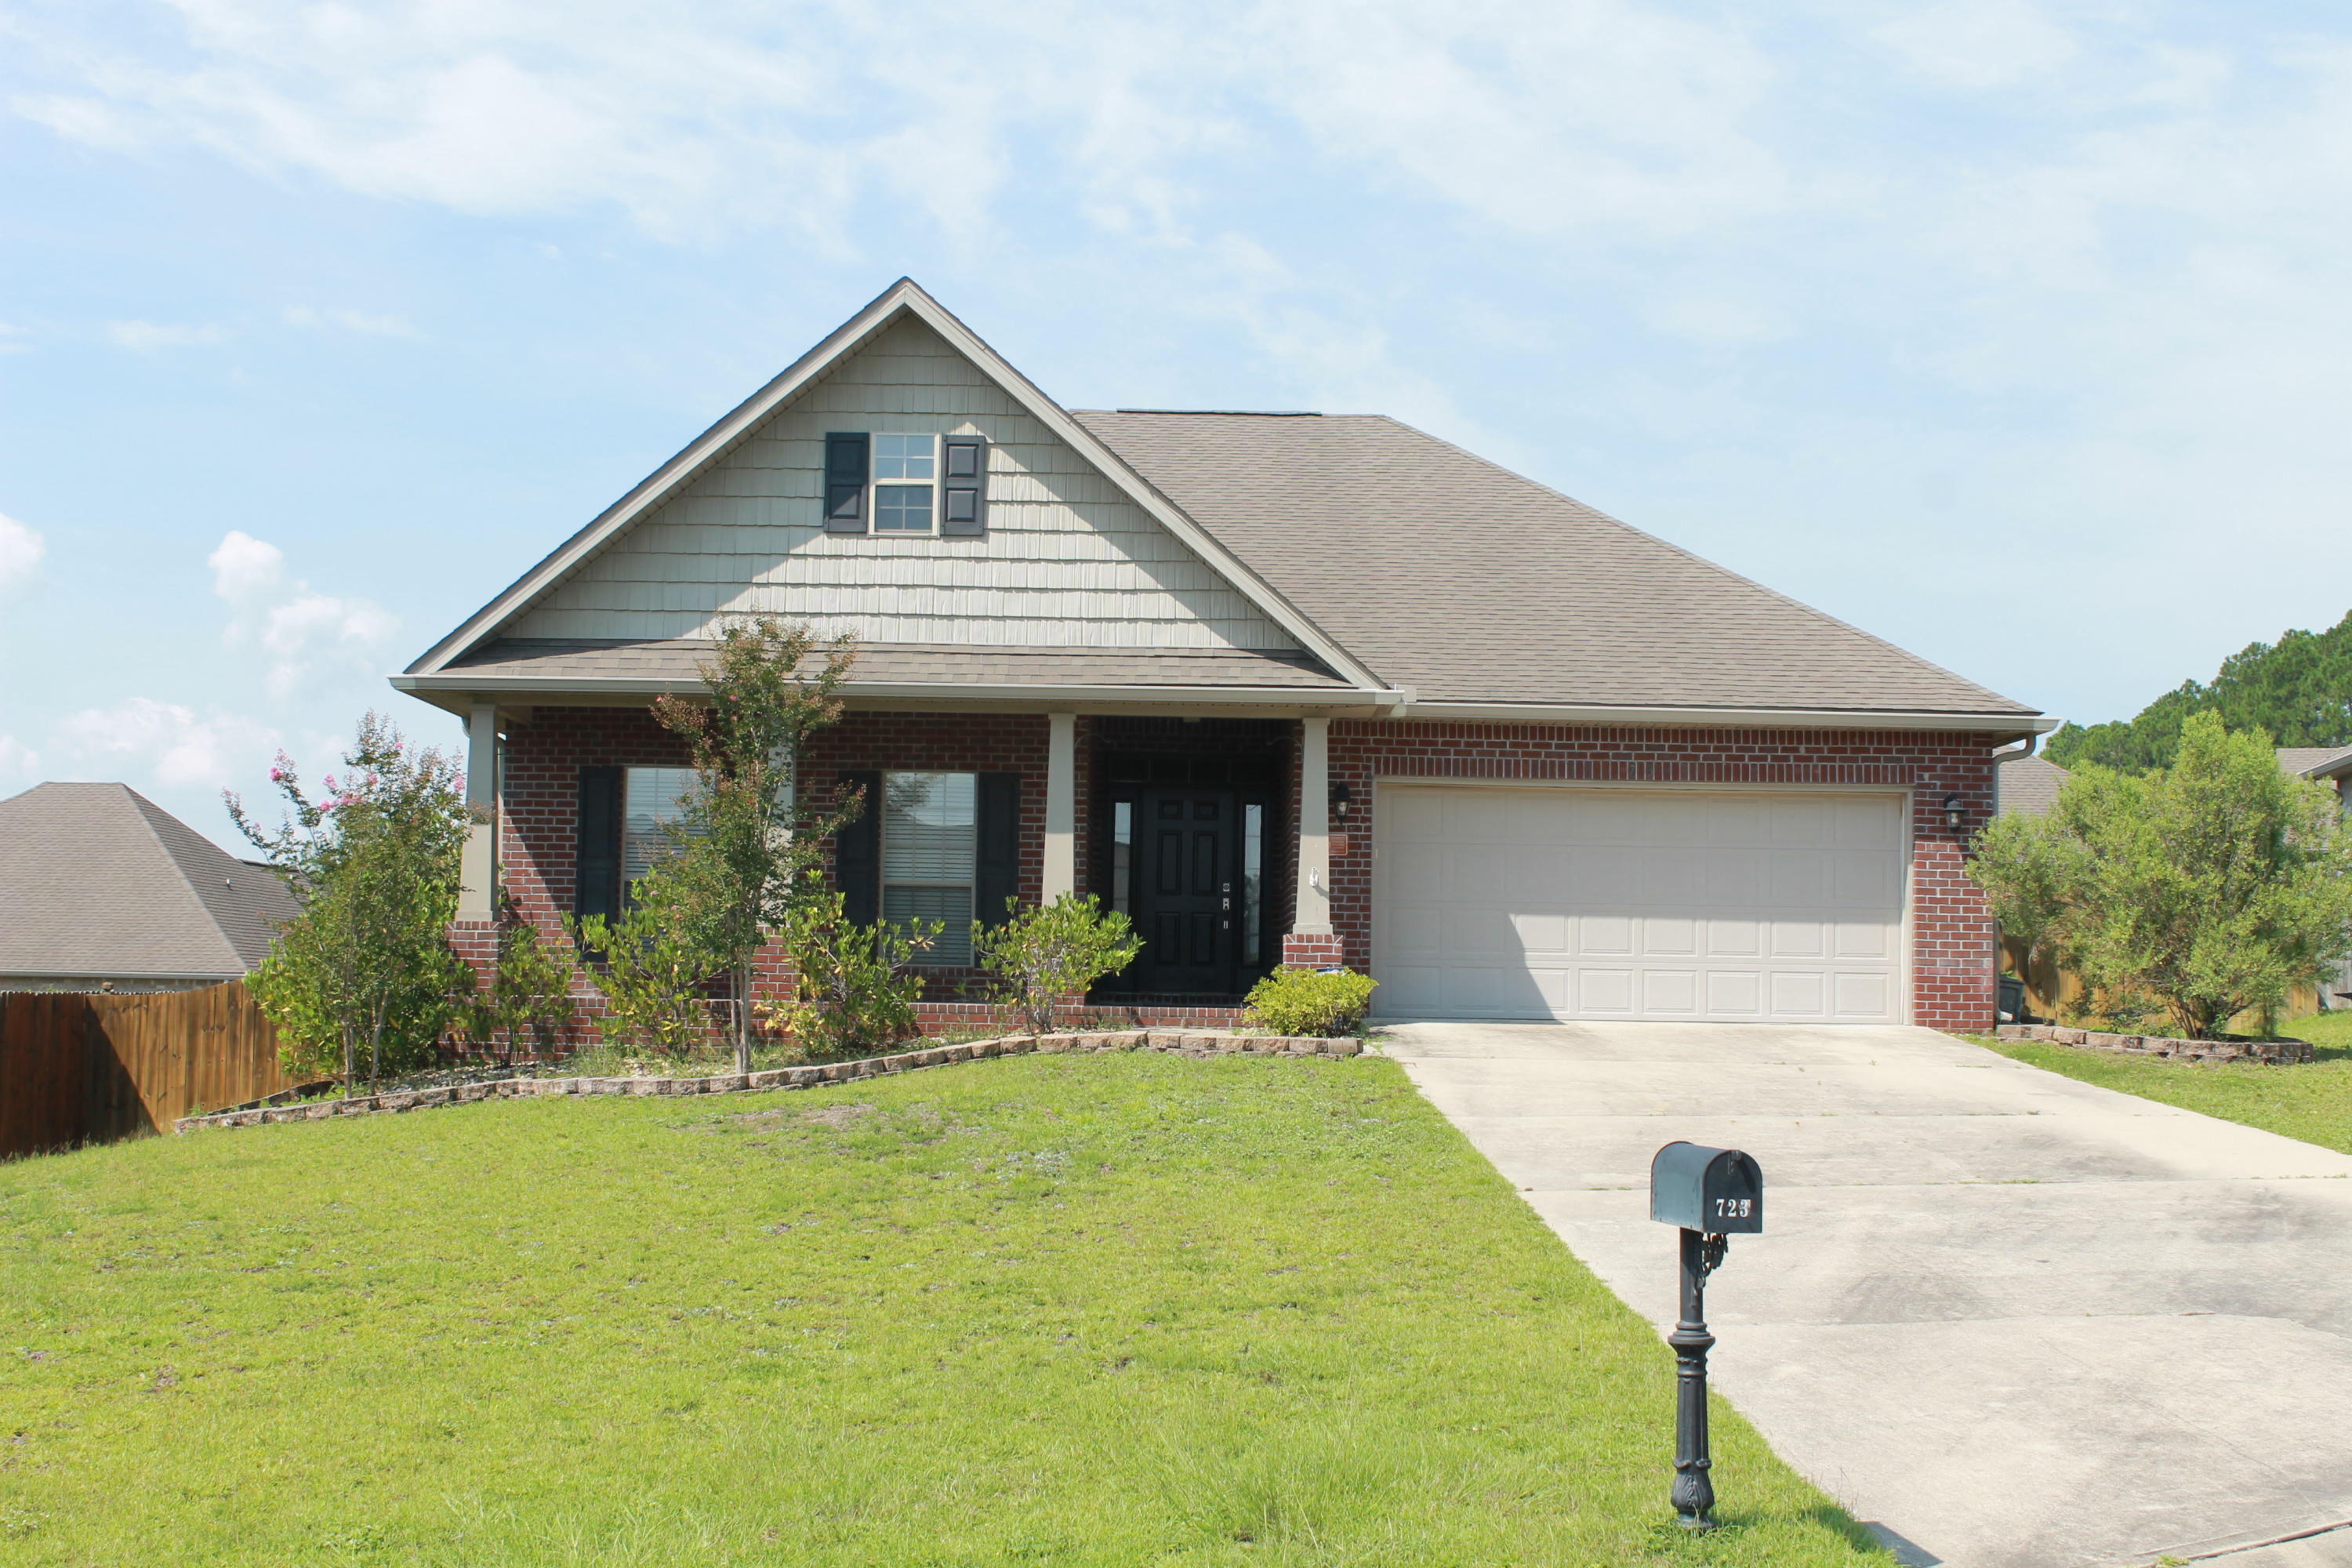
<point>2011,1321</point>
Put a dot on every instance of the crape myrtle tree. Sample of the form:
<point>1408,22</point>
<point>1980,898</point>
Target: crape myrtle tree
<point>372,862</point>
<point>2208,888</point>
<point>747,849</point>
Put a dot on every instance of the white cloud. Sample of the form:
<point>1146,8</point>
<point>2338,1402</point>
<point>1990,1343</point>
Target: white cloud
<point>19,764</point>
<point>304,632</point>
<point>170,744</point>
<point>21,549</point>
<point>1977,44</point>
<point>349,321</point>
<point>244,566</point>
<point>12,340</point>
<point>145,337</point>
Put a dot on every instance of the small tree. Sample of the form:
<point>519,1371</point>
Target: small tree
<point>2213,887</point>
<point>852,991</point>
<point>651,976</point>
<point>2028,866</point>
<point>746,846</point>
<point>1045,953</point>
<point>530,993</point>
<point>372,863</point>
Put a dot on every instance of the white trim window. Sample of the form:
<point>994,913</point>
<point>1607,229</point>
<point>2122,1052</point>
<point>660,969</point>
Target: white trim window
<point>931,856</point>
<point>906,483</point>
<point>651,799</point>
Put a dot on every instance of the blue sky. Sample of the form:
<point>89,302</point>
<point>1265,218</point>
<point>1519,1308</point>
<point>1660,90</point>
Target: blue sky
<point>2012,331</point>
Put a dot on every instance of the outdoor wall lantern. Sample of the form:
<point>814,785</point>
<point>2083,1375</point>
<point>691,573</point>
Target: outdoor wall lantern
<point>1341,797</point>
<point>1712,1195</point>
<point>1953,813</point>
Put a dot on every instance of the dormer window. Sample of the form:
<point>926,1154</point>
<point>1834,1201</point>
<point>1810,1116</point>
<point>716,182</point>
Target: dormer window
<point>900,506</point>
<point>894,482</point>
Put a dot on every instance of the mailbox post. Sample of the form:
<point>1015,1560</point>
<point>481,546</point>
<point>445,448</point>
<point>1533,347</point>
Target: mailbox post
<point>1712,1195</point>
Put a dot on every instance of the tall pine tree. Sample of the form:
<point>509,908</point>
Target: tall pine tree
<point>2298,690</point>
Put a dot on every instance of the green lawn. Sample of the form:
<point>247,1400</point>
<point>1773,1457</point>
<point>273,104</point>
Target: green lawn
<point>1120,1309</point>
<point>2310,1100</point>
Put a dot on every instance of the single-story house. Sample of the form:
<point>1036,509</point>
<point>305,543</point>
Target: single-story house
<point>1286,688</point>
<point>2330,765</point>
<point>105,890</point>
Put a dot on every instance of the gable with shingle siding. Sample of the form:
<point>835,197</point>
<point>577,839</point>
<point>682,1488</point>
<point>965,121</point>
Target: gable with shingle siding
<point>1068,559</point>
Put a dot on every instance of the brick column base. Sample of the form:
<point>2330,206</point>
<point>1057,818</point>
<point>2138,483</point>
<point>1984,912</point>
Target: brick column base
<point>1318,950</point>
<point>476,943</point>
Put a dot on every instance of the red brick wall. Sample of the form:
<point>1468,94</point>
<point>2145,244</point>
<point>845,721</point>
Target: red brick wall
<point>1951,961</point>
<point>538,827</point>
<point>1951,958</point>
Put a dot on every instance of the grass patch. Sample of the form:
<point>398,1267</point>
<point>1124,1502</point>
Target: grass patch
<point>1125,1308</point>
<point>2310,1100</point>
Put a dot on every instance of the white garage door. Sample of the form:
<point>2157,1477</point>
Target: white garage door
<point>1500,903</point>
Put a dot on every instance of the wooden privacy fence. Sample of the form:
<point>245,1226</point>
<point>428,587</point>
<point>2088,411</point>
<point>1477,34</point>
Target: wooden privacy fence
<point>87,1068</point>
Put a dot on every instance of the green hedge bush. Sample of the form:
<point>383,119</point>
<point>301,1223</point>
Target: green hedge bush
<point>1308,1002</point>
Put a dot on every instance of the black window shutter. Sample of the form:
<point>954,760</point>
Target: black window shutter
<point>963,486</point>
<point>845,454</point>
<point>596,888</point>
<point>857,850</point>
<point>998,875</point>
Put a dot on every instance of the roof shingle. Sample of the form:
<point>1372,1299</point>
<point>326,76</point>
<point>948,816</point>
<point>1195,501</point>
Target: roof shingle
<point>1449,575</point>
<point>100,882</point>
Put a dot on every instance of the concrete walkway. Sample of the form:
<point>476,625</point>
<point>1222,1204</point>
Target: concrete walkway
<point>2010,1319</point>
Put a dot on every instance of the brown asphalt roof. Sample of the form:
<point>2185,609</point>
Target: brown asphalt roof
<point>2029,784</point>
<point>2316,762</point>
<point>1444,572</point>
<point>100,882</point>
<point>912,663</point>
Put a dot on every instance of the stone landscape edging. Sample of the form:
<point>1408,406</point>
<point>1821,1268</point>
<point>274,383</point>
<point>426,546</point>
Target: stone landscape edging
<point>1191,1043</point>
<point>2277,1053</point>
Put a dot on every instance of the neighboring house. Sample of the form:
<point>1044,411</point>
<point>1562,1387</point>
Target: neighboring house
<point>1286,688</point>
<point>105,890</point>
<point>2331,765</point>
<point>2029,784</point>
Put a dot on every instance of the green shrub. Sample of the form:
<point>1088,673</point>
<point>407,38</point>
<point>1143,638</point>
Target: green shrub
<point>1306,1002</point>
<point>1043,953</point>
<point>529,998</point>
<point>852,992</point>
<point>650,974</point>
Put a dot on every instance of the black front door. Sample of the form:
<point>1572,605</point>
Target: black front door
<point>1188,896</point>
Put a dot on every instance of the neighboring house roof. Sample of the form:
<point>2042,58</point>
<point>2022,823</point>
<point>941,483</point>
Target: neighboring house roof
<point>2029,784</point>
<point>100,882</point>
<point>2316,761</point>
<point>1415,576</point>
<point>1458,578</point>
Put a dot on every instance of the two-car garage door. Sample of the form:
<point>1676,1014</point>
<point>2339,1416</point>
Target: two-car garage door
<point>1603,902</point>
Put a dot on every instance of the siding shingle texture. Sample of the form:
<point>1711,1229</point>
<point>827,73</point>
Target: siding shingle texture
<point>1447,573</point>
<point>99,881</point>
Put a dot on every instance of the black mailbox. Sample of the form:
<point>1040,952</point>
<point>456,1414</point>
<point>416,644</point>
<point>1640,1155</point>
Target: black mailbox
<point>1716,1191</point>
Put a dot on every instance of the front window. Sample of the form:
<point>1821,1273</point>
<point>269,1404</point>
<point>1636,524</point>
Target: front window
<point>652,799</point>
<point>900,506</point>
<point>931,849</point>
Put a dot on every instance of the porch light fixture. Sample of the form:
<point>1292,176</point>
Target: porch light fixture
<point>1953,813</point>
<point>1341,797</point>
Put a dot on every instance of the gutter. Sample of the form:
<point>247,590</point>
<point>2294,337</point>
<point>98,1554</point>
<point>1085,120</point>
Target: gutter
<point>1727,718</point>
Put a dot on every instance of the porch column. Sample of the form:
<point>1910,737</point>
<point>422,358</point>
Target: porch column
<point>1314,917</point>
<point>1061,807</point>
<point>477,867</point>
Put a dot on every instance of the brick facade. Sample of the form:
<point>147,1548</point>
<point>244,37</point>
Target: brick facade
<point>1950,963</point>
<point>1951,958</point>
